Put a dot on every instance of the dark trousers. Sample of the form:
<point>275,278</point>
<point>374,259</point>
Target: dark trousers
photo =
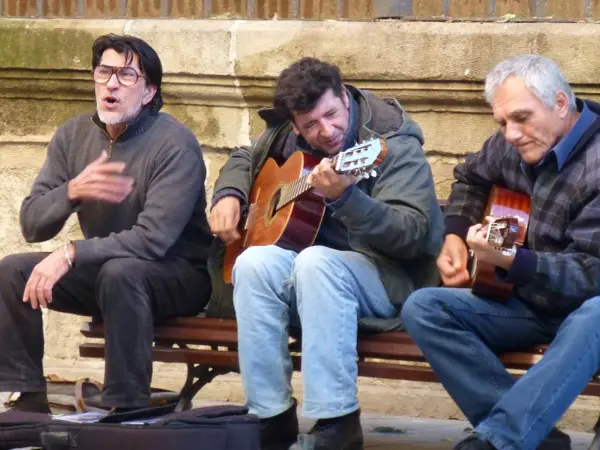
<point>130,295</point>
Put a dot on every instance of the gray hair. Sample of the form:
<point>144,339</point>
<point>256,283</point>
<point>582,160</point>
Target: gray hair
<point>541,75</point>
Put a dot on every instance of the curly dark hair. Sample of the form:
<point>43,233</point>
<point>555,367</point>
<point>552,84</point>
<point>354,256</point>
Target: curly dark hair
<point>129,45</point>
<point>302,84</point>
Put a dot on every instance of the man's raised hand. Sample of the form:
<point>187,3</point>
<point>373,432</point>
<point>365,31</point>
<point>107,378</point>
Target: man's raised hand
<point>101,180</point>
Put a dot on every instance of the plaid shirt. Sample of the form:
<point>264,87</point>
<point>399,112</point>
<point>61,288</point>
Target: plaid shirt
<point>558,268</point>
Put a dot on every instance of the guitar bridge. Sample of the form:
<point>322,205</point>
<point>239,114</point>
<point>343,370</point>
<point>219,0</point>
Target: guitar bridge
<point>249,216</point>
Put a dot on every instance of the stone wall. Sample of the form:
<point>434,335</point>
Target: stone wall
<point>217,73</point>
<point>569,10</point>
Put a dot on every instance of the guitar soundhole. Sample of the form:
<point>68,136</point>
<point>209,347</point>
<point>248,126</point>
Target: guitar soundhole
<point>273,206</point>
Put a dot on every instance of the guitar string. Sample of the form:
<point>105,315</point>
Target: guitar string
<point>293,190</point>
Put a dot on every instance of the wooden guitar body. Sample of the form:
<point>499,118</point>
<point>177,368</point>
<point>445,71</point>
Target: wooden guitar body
<point>501,203</point>
<point>295,226</point>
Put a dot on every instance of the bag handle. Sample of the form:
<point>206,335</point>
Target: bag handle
<point>80,405</point>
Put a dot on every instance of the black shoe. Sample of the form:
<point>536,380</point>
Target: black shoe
<point>36,402</point>
<point>339,433</point>
<point>556,440</point>
<point>281,431</point>
<point>473,442</point>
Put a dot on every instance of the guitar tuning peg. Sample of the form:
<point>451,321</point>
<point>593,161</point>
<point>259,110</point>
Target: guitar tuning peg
<point>373,173</point>
<point>366,175</point>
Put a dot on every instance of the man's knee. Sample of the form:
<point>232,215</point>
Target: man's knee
<point>592,306</point>
<point>121,291</point>
<point>120,270</point>
<point>422,305</point>
<point>263,270</point>
<point>20,264</point>
<point>254,262</point>
<point>313,261</point>
<point>121,284</point>
<point>588,312</point>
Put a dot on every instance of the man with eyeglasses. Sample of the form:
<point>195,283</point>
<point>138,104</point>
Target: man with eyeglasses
<point>135,177</point>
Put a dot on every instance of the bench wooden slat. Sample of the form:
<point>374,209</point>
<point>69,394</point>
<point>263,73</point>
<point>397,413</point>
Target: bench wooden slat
<point>199,335</point>
<point>410,352</point>
<point>220,358</point>
<point>208,322</point>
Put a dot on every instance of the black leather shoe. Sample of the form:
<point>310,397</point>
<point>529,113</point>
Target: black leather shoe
<point>339,433</point>
<point>556,440</point>
<point>473,442</point>
<point>36,402</point>
<point>281,431</point>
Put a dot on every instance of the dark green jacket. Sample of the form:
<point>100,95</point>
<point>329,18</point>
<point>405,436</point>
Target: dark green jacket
<point>394,219</point>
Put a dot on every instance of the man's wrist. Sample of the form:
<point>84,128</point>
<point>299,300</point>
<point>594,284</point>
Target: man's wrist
<point>71,191</point>
<point>452,238</point>
<point>69,250</point>
<point>522,268</point>
<point>505,260</point>
<point>339,201</point>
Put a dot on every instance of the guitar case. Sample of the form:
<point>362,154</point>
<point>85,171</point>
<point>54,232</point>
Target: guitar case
<point>208,428</point>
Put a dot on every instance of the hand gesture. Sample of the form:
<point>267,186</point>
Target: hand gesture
<point>101,180</point>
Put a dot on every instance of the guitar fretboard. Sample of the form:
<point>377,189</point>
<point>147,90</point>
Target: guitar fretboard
<point>295,189</point>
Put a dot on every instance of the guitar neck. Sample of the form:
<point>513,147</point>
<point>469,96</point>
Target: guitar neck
<point>291,191</point>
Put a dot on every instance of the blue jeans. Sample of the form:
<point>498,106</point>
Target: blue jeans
<point>459,334</point>
<point>321,290</point>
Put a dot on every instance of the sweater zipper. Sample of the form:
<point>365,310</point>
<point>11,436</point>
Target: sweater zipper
<point>112,141</point>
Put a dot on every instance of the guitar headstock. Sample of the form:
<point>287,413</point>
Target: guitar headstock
<point>502,232</point>
<point>361,159</point>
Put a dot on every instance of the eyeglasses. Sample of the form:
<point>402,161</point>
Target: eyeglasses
<point>125,75</point>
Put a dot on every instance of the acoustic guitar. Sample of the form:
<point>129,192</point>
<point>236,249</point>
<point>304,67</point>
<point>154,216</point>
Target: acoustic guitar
<point>511,212</point>
<point>284,210</point>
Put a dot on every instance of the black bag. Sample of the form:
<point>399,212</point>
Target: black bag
<point>209,428</point>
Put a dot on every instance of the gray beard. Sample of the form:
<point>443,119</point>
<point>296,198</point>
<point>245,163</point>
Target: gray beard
<point>110,119</point>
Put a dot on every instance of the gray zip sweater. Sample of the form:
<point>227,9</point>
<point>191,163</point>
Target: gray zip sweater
<point>163,217</point>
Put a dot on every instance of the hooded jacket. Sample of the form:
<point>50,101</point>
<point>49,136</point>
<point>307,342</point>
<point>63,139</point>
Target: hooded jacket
<point>394,218</point>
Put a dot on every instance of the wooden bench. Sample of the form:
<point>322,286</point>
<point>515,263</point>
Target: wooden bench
<point>389,355</point>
